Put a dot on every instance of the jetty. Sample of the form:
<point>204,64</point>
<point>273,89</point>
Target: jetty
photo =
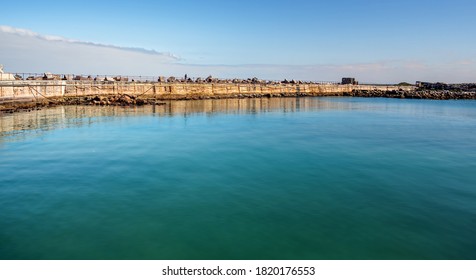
<point>55,89</point>
<point>36,87</point>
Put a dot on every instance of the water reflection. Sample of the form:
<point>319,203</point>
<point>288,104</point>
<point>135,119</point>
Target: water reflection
<point>37,122</point>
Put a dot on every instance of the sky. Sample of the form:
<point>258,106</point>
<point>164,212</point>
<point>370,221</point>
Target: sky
<point>373,41</point>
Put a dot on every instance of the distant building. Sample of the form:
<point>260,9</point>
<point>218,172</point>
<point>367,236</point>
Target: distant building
<point>5,76</point>
<point>349,81</point>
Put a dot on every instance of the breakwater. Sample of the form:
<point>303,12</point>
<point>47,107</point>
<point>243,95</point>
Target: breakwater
<point>419,93</point>
<point>18,95</point>
<point>39,90</point>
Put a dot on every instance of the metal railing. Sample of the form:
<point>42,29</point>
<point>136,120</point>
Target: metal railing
<point>83,77</point>
<point>146,79</point>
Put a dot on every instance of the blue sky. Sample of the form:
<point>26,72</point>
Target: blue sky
<point>374,41</point>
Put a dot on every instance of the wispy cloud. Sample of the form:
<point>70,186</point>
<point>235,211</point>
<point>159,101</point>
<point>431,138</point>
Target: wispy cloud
<point>54,38</point>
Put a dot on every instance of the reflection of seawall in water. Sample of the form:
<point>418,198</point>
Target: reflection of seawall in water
<point>71,116</point>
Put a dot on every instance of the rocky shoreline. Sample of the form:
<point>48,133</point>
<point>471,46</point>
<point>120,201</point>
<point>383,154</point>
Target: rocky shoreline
<point>416,94</point>
<point>124,100</point>
<point>130,100</point>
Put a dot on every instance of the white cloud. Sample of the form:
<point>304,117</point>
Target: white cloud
<point>53,38</point>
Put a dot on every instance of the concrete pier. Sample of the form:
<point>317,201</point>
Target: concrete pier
<point>21,90</point>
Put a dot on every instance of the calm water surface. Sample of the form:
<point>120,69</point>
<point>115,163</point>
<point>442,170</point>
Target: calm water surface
<point>308,178</point>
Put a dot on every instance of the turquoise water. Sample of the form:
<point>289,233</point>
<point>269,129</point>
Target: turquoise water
<point>308,178</point>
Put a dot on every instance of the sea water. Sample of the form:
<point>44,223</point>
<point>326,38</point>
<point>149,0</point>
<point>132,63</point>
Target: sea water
<point>284,178</point>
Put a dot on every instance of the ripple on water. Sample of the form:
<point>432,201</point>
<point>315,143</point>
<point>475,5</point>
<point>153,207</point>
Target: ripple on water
<point>284,178</point>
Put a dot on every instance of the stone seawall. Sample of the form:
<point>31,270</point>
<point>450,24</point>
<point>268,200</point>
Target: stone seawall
<point>37,90</point>
<point>31,90</point>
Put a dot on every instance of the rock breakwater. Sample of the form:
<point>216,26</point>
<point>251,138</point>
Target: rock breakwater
<point>153,94</point>
<point>111,100</point>
<point>415,94</point>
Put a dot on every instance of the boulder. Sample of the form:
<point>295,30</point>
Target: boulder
<point>125,100</point>
<point>210,79</point>
<point>121,79</point>
<point>48,76</point>
<point>99,98</point>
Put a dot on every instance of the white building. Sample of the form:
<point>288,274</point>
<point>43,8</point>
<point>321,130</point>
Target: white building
<point>5,76</point>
